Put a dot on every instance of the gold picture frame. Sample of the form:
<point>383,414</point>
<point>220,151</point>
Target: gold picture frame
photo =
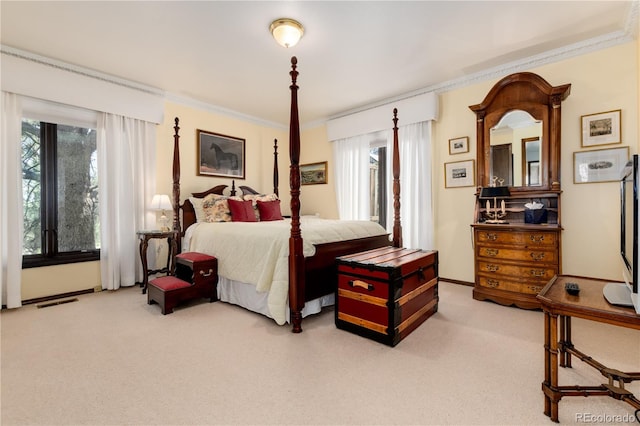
<point>313,173</point>
<point>599,165</point>
<point>458,174</point>
<point>459,145</point>
<point>220,155</point>
<point>602,128</point>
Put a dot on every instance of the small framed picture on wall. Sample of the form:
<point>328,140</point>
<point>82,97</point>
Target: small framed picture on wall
<point>459,145</point>
<point>602,128</point>
<point>459,174</point>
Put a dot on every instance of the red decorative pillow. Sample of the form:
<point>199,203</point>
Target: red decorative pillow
<point>269,210</point>
<point>241,211</point>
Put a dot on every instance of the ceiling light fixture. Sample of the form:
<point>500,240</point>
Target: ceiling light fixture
<point>287,32</point>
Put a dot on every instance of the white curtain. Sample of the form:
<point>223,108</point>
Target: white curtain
<point>351,158</point>
<point>416,207</point>
<point>126,155</point>
<point>11,200</point>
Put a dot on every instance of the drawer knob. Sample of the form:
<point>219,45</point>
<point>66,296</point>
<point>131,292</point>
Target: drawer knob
<point>535,288</point>
<point>537,255</point>
<point>537,238</point>
<point>493,283</point>
<point>493,268</point>
<point>206,274</point>
<point>537,273</point>
<point>492,252</point>
<point>492,236</point>
<point>358,283</point>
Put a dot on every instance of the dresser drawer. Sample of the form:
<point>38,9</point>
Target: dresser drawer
<point>526,238</point>
<point>506,284</point>
<point>522,271</point>
<point>518,254</point>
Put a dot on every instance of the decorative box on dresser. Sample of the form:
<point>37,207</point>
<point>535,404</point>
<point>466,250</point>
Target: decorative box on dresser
<point>517,231</point>
<point>515,260</point>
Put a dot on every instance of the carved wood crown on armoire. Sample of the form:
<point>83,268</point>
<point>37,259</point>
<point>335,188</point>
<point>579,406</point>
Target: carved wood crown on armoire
<point>517,228</point>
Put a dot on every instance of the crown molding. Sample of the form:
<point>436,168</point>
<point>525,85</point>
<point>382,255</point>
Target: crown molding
<point>85,72</point>
<point>194,103</point>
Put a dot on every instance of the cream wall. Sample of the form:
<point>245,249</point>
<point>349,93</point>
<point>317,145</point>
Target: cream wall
<point>59,279</point>
<point>318,199</point>
<point>600,81</point>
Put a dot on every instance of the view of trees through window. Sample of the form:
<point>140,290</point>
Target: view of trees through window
<point>60,189</point>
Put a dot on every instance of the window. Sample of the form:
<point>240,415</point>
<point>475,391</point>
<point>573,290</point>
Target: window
<point>60,194</point>
<point>378,184</point>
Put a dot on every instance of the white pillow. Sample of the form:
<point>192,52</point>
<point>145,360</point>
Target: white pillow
<point>197,206</point>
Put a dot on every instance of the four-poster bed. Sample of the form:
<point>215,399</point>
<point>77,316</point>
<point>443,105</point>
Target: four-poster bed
<point>310,273</point>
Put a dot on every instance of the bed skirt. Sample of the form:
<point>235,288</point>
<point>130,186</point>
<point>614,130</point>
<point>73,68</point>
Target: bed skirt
<point>245,295</point>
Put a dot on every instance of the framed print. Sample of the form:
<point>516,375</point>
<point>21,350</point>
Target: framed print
<point>602,128</point>
<point>600,165</point>
<point>459,145</point>
<point>220,155</point>
<point>459,174</point>
<point>313,174</point>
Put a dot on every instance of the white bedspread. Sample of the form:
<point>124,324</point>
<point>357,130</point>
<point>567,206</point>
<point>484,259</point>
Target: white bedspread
<point>258,252</point>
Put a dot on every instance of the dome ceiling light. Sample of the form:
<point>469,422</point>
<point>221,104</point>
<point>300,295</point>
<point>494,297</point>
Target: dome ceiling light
<point>286,31</point>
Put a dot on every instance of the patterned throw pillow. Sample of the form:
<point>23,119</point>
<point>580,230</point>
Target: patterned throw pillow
<point>259,197</point>
<point>216,208</point>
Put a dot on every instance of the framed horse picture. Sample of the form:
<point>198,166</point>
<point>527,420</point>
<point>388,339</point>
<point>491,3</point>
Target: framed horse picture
<point>220,155</point>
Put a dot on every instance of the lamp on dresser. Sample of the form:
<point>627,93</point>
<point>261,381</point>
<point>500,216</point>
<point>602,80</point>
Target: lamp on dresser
<point>494,192</point>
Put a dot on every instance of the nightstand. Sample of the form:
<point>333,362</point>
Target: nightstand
<point>172,243</point>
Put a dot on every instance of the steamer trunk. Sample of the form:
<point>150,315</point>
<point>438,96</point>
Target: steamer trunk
<point>386,293</point>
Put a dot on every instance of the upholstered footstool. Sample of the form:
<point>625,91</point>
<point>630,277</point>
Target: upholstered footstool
<point>168,292</point>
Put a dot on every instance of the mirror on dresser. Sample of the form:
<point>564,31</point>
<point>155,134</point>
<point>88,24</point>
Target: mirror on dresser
<point>515,149</point>
<point>518,146</point>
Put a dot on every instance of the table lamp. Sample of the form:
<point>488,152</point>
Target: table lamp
<point>163,203</point>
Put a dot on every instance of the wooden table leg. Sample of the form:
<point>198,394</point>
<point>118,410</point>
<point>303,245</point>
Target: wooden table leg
<point>553,359</point>
<point>561,342</point>
<point>547,365</point>
<point>144,243</point>
<point>568,341</point>
<point>173,251</point>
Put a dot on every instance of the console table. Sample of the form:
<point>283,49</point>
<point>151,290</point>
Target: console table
<point>559,307</point>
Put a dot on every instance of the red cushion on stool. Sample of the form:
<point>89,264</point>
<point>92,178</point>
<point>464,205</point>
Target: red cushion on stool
<point>194,256</point>
<point>169,283</point>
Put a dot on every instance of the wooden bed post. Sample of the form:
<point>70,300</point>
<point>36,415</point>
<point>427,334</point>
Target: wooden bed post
<point>397,228</point>
<point>296,257</point>
<point>275,167</point>
<point>176,184</point>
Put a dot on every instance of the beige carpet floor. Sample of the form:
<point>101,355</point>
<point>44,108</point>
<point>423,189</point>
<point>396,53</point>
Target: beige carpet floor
<point>111,359</point>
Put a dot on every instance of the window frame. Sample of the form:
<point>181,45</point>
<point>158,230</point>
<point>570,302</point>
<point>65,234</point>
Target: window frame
<point>49,205</point>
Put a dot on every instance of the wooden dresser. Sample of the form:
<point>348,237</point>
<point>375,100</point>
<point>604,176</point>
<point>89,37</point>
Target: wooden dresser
<point>513,263</point>
<point>516,228</point>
